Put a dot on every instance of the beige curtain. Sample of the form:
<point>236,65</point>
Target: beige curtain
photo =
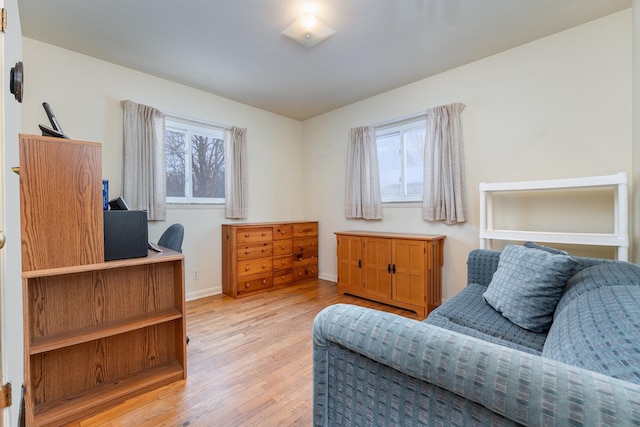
<point>235,179</point>
<point>363,180</point>
<point>144,173</point>
<point>444,191</point>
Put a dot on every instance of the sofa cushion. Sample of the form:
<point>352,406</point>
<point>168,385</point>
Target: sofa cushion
<point>528,284</point>
<point>607,273</point>
<point>599,330</point>
<point>468,314</point>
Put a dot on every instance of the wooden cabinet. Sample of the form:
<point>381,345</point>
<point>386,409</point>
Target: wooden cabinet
<point>403,270</point>
<point>95,333</point>
<point>259,257</point>
<point>61,202</point>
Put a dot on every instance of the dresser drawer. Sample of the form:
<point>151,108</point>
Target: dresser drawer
<point>305,229</point>
<point>306,272</point>
<point>284,231</point>
<point>254,250</point>
<point>282,247</point>
<point>305,258</point>
<point>283,263</point>
<point>254,267</point>
<point>254,284</point>
<point>305,245</point>
<point>281,278</point>
<point>254,235</point>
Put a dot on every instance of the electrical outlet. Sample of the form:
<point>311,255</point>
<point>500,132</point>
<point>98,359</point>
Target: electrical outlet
<point>196,274</point>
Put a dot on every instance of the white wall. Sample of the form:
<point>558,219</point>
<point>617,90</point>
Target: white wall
<point>554,108</point>
<point>85,94</point>
<point>11,310</point>
<point>635,201</point>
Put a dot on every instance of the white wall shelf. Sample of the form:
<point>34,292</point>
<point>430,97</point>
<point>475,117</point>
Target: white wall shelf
<point>619,238</point>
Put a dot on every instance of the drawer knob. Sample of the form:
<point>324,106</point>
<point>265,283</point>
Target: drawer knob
<point>283,262</point>
<point>264,250</point>
<point>283,277</point>
<point>264,281</point>
<point>246,234</point>
<point>264,266</point>
<point>283,232</point>
<point>246,285</point>
<point>247,268</point>
<point>246,252</point>
<point>282,247</point>
<point>264,234</point>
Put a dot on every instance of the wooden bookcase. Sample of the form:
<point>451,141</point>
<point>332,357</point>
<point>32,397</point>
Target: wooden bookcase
<point>399,269</point>
<point>95,333</point>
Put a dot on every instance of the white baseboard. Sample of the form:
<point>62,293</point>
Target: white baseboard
<point>328,277</point>
<point>190,296</point>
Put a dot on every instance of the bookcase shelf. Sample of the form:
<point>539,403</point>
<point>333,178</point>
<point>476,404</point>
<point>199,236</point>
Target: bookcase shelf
<point>56,412</point>
<point>95,333</point>
<point>618,239</point>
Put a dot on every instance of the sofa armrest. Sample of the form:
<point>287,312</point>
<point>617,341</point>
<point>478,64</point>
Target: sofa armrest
<point>481,264</point>
<point>518,388</point>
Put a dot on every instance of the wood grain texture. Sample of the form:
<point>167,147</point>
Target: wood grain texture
<point>60,202</point>
<point>98,334</point>
<point>250,363</point>
<point>260,256</point>
<point>404,270</point>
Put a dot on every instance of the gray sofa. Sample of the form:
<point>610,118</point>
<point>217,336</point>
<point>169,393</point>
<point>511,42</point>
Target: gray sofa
<point>467,364</point>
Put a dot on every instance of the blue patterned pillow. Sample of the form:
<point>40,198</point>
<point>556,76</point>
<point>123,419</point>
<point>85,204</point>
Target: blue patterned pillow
<point>528,284</point>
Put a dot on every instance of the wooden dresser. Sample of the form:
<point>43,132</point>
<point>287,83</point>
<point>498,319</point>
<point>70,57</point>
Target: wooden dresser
<point>399,269</point>
<point>95,333</point>
<point>261,256</point>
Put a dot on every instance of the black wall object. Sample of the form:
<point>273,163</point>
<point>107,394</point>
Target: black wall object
<point>16,81</point>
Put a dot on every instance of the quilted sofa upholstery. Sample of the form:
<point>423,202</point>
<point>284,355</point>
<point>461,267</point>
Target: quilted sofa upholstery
<point>467,365</point>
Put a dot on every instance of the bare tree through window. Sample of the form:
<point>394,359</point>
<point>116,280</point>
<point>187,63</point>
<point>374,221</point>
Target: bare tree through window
<point>175,163</point>
<point>207,159</point>
<point>195,163</point>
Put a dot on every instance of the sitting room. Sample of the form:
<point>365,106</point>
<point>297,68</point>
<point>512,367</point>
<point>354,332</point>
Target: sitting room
<point>392,213</point>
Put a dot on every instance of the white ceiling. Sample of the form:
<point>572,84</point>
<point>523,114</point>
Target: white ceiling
<point>235,48</point>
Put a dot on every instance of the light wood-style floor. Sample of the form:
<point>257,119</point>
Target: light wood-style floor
<point>249,363</point>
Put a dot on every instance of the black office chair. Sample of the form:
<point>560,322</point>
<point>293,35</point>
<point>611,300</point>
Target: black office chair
<point>172,237</point>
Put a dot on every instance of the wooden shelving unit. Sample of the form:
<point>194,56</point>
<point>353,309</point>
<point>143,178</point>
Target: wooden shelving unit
<point>95,333</point>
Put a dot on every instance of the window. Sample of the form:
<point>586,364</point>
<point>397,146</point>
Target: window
<point>195,162</point>
<point>401,160</point>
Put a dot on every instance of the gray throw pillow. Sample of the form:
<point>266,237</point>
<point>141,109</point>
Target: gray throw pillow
<point>528,284</point>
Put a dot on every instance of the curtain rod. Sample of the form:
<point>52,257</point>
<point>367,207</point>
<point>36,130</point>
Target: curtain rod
<point>401,120</point>
<point>196,121</point>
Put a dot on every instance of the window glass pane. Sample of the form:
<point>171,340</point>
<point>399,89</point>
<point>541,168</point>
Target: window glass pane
<point>207,157</point>
<point>390,165</point>
<point>176,154</point>
<point>414,151</point>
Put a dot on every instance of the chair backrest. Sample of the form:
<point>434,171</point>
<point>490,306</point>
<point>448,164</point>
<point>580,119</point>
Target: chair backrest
<point>172,237</point>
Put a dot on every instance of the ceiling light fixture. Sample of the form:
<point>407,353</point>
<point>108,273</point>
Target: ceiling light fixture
<point>308,30</point>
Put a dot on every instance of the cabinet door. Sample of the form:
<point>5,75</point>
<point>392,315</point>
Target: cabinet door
<point>409,278</point>
<point>349,263</point>
<point>377,267</point>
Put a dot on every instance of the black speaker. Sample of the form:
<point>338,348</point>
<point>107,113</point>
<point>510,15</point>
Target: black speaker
<point>126,234</point>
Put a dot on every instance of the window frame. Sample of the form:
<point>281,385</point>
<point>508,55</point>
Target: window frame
<point>202,128</point>
<point>401,126</point>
